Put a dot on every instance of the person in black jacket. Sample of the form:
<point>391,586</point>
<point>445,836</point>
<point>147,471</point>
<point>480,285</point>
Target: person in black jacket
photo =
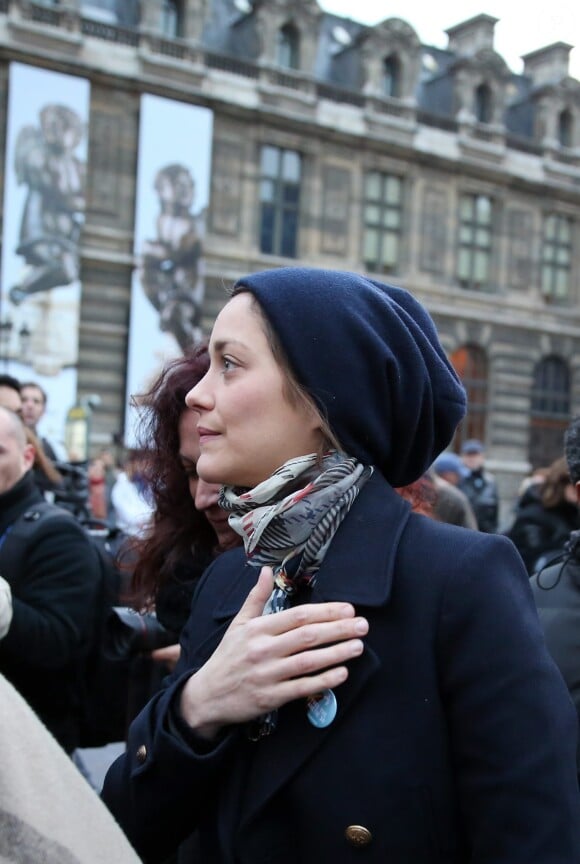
<point>556,588</point>
<point>359,681</point>
<point>479,486</point>
<point>545,515</point>
<point>54,586</point>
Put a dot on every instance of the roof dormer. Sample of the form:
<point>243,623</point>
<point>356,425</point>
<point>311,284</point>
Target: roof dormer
<point>548,65</point>
<point>288,32</point>
<point>391,57</point>
<point>479,74</point>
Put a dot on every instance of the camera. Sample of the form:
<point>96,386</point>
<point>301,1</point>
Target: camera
<point>128,633</point>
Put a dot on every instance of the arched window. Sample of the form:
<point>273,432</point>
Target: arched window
<point>483,104</point>
<point>392,76</point>
<point>550,410</point>
<point>172,18</point>
<point>565,128</point>
<point>288,54</point>
<point>470,363</point>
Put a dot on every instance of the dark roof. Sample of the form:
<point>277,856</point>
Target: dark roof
<point>232,29</point>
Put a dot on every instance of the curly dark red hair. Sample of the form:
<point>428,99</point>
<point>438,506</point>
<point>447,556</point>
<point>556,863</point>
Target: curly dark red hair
<point>178,529</point>
<point>421,495</point>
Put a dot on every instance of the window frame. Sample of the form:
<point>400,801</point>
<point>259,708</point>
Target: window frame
<point>555,274</point>
<point>391,76</point>
<point>483,103</point>
<point>171,11</point>
<point>288,42</point>
<point>383,226</point>
<point>283,205</point>
<point>566,128</point>
<point>474,252</point>
<point>471,363</point>
<point>550,403</point>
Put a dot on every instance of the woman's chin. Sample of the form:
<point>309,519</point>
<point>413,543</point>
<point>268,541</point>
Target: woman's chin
<point>209,470</point>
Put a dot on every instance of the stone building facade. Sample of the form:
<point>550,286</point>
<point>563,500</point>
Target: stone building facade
<point>348,147</point>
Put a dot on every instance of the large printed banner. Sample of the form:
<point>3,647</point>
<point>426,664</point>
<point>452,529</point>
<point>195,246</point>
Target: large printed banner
<point>44,204</point>
<point>167,292</point>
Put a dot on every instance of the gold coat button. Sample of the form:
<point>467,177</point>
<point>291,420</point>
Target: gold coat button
<point>141,754</point>
<point>358,835</point>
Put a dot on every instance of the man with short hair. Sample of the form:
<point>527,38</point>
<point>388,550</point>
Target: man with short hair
<point>10,396</point>
<point>54,580</point>
<point>479,486</point>
<point>33,407</point>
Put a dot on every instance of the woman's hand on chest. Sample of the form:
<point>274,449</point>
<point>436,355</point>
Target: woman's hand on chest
<point>265,661</point>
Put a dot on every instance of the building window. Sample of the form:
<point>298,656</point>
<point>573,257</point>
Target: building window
<point>556,257</point>
<point>565,128</point>
<point>288,53</point>
<point>383,216</point>
<point>392,77</point>
<point>172,18</point>
<point>520,239</point>
<point>475,242</point>
<point>280,199</point>
<point>550,410</point>
<point>483,104</point>
<point>470,363</point>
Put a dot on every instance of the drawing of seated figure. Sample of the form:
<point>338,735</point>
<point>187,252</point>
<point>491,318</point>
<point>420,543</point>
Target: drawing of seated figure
<point>170,269</point>
<point>53,212</point>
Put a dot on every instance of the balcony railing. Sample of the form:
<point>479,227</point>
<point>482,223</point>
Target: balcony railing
<point>225,63</point>
<point>174,48</point>
<point>340,94</point>
<point>37,12</point>
<point>109,32</point>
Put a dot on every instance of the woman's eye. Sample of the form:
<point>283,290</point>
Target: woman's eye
<point>228,364</point>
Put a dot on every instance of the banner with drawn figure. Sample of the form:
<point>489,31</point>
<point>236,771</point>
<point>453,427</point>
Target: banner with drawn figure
<point>44,205</point>
<point>173,182</point>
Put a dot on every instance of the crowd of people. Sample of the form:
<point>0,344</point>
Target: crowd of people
<point>354,656</point>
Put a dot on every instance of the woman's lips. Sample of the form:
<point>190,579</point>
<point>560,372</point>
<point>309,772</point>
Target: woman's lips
<point>206,434</point>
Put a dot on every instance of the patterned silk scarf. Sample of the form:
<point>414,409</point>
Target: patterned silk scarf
<point>288,521</point>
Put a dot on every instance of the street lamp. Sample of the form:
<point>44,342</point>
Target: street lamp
<point>24,338</point>
<point>78,427</point>
<point>5,333</point>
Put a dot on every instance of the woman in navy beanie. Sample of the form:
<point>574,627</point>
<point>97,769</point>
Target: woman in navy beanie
<point>359,682</point>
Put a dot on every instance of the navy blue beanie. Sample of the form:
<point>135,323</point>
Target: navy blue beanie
<point>370,357</point>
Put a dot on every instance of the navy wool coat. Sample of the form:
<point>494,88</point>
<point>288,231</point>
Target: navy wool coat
<point>455,737</point>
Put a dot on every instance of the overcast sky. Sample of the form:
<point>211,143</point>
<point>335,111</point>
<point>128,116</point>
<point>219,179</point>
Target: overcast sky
<point>518,31</point>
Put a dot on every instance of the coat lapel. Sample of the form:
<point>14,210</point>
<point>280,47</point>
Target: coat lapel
<point>281,755</point>
<point>358,568</point>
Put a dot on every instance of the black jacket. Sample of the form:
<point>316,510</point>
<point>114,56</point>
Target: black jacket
<point>54,592</point>
<point>481,490</point>
<point>455,737</point>
<point>557,595</point>
<point>538,530</point>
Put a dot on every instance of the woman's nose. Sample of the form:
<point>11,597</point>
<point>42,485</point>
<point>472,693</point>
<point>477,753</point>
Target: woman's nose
<point>198,396</point>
